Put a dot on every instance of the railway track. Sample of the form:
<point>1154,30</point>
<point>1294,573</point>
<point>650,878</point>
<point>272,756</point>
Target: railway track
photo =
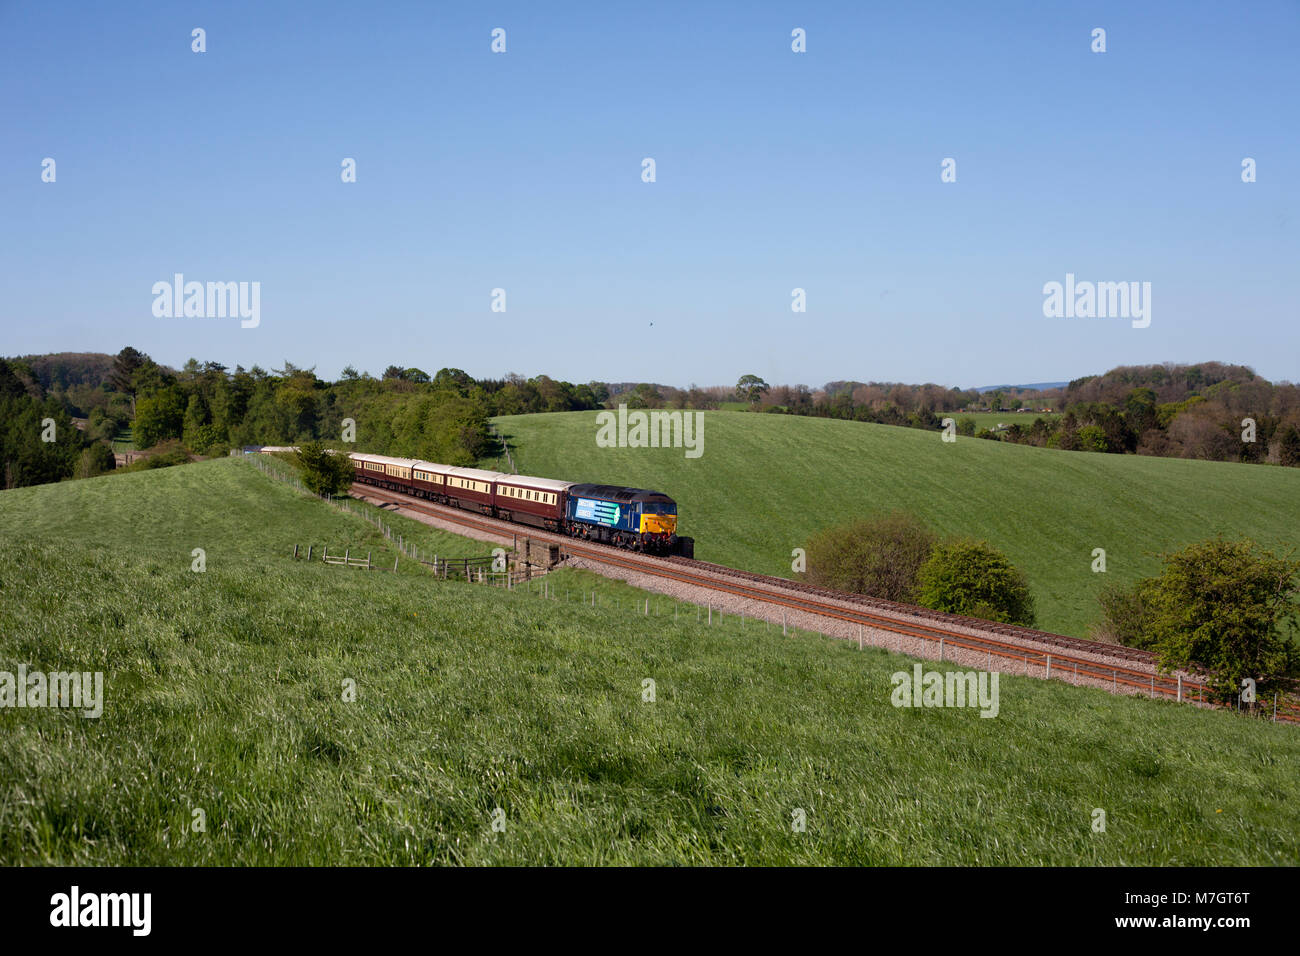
<point>939,617</point>
<point>1039,652</point>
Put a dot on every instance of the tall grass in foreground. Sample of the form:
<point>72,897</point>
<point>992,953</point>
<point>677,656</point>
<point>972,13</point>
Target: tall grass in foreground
<point>225,694</point>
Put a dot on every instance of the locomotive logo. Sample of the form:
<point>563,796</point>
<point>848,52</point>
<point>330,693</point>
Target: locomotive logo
<point>601,512</point>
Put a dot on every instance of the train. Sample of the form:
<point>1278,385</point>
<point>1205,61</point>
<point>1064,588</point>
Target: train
<point>633,518</point>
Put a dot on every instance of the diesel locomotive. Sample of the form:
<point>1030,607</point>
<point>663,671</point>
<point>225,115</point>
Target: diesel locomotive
<point>632,518</point>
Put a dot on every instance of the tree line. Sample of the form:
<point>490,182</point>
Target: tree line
<point>1211,410</point>
<point>206,409</point>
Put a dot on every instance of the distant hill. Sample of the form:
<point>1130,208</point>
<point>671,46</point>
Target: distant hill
<point>1036,386</point>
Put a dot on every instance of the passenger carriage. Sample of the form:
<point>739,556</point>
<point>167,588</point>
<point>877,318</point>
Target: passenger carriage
<point>382,470</point>
<point>472,488</point>
<point>536,501</point>
<point>429,480</point>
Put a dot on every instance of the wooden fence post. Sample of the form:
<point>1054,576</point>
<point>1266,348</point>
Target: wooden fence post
<point>295,551</point>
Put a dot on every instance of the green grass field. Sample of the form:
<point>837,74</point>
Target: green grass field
<point>766,482</point>
<point>993,419</point>
<point>226,507</point>
<point>224,694</point>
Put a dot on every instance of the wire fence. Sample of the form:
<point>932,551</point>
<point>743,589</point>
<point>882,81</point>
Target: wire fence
<point>492,430</point>
<point>479,570</point>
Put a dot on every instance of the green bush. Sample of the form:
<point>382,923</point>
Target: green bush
<point>324,473</point>
<point>1127,616</point>
<point>158,417</point>
<point>96,459</point>
<point>969,577</point>
<point>1093,438</point>
<point>879,556</point>
<point>1225,605</point>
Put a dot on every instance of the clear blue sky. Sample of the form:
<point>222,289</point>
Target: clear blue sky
<point>775,170</point>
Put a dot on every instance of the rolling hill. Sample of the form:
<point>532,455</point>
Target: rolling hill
<point>766,482</point>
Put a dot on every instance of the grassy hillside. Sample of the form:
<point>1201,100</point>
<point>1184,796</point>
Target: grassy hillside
<point>766,482</point>
<point>224,694</point>
<point>226,507</point>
